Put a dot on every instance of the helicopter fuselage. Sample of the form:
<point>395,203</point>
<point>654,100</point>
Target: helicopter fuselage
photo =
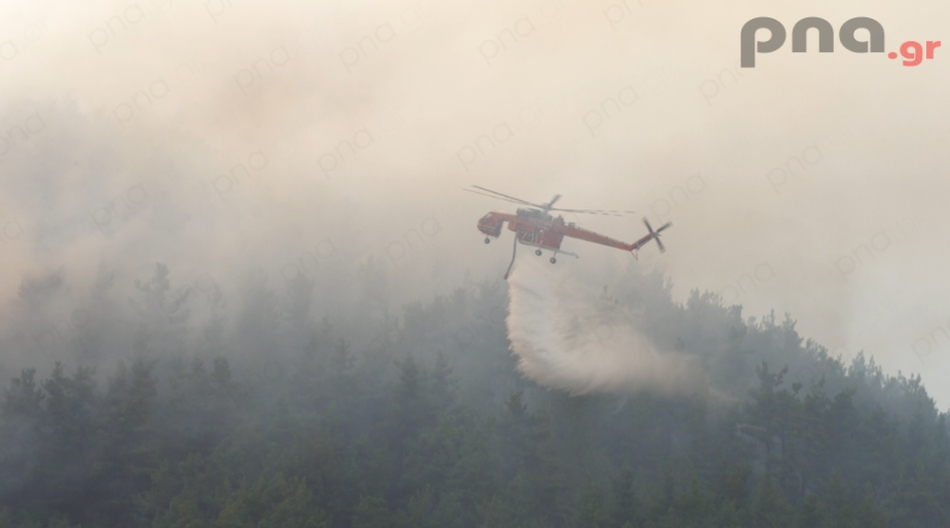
<point>533,227</point>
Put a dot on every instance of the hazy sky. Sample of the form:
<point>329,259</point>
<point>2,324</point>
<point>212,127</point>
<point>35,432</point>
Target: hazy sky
<point>219,135</point>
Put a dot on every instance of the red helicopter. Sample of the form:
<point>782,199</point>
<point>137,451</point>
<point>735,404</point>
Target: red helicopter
<point>534,226</point>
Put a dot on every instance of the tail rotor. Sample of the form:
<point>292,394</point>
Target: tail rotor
<point>655,235</point>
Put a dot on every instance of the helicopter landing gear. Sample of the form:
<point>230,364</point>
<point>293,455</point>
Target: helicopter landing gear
<point>553,260</point>
<point>537,252</point>
<point>487,240</point>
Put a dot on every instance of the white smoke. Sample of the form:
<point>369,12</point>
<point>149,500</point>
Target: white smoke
<point>568,336</point>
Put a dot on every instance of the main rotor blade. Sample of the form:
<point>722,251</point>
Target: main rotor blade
<point>497,197</point>
<point>547,206</point>
<point>592,211</point>
<point>525,202</point>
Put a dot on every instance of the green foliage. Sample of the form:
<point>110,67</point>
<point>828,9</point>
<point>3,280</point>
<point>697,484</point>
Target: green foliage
<point>429,425</point>
<point>371,512</point>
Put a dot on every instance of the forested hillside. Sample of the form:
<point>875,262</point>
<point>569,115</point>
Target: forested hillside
<point>418,417</point>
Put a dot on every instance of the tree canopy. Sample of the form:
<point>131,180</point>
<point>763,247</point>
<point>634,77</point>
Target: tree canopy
<point>422,420</point>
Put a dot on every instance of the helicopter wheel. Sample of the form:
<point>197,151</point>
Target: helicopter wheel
<point>487,240</point>
<point>537,252</point>
<point>553,260</point>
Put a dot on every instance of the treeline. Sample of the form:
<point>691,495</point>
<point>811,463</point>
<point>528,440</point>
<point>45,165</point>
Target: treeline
<point>428,424</point>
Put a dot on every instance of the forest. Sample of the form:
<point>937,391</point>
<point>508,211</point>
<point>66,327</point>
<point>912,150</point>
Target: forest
<point>271,411</point>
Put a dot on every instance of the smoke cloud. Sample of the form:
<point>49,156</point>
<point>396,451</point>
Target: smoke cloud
<point>266,146</point>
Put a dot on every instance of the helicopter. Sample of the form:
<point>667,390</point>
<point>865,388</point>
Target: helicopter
<point>535,226</point>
